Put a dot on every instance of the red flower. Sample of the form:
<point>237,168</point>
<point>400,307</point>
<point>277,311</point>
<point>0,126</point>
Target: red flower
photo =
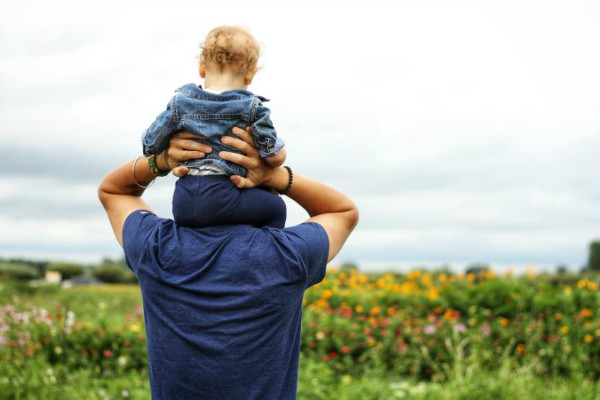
<point>345,349</point>
<point>93,352</point>
<point>84,352</point>
<point>313,345</point>
<point>107,353</point>
<point>333,354</point>
<point>325,358</point>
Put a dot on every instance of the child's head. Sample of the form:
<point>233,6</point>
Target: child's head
<point>231,50</point>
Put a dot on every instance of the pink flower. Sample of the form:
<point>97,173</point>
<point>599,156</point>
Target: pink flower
<point>429,329</point>
<point>460,327</point>
<point>486,329</point>
<point>107,353</point>
<point>345,349</point>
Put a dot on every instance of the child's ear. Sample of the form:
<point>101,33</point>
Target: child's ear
<point>202,69</point>
<point>249,76</point>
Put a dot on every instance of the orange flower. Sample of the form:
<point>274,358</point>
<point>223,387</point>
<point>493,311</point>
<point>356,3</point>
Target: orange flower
<point>586,312</point>
<point>558,316</point>
<point>375,310</point>
<point>503,321</point>
<point>588,338</point>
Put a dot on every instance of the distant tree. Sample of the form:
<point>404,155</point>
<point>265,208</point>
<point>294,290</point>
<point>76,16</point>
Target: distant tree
<point>561,269</point>
<point>67,270</point>
<point>478,270</point>
<point>347,266</point>
<point>594,257</point>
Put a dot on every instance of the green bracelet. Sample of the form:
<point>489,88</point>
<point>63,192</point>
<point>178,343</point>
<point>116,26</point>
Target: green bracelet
<point>154,168</point>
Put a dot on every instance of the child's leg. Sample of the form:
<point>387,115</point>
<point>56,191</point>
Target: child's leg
<point>204,200</point>
<point>214,200</point>
<point>260,207</point>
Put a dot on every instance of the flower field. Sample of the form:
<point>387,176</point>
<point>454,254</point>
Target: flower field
<point>421,335</point>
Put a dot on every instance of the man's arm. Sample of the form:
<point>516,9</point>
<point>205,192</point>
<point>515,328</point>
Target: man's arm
<point>326,206</point>
<point>120,191</point>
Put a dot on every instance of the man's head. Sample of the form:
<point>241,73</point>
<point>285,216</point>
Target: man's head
<point>229,50</point>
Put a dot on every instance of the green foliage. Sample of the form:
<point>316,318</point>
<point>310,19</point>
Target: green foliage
<point>375,336</point>
<point>67,270</point>
<point>21,272</point>
<point>594,256</point>
<point>112,273</point>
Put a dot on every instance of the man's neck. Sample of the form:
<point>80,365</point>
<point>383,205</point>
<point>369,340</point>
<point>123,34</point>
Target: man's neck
<point>223,82</point>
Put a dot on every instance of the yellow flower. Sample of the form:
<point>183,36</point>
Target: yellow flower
<point>359,308</point>
<point>135,327</point>
<point>470,277</point>
<point>592,286</point>
<point>304,302</point>
<point>567,290</point>
<point>433,294</point>
<point>582,283</point>
<point>503,321</point>
<point>588,338</point>
<point>564,329</point>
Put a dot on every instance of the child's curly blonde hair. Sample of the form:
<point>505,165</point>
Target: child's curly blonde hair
<point>230,48</point>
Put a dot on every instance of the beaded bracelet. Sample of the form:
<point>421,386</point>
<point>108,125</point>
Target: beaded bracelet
<point>154,168</point>
<point>289,185</point>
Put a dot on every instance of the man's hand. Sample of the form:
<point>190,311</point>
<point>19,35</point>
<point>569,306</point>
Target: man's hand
<point>183,148</point>
<point>258,171</point>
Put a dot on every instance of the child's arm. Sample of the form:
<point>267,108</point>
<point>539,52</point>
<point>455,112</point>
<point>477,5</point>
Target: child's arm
<point>156,138</point>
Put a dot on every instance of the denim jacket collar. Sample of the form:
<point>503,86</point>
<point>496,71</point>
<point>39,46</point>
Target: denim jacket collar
<point>196,91</point>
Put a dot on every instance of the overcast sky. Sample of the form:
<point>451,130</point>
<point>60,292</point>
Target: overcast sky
<point>464,130</point>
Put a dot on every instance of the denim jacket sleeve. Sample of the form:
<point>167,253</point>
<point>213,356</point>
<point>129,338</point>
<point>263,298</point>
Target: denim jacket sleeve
<point>155,138</point>
<point>264,133</point>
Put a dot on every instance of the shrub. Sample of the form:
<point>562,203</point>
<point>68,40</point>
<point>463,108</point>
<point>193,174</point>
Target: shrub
<point>18,271</point>
<point>111,273</point>
<point>67,270</point>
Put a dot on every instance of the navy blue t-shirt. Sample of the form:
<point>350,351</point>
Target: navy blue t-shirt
<point>223,304</point>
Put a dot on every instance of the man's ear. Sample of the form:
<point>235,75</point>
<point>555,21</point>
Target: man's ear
<point>202,69</point>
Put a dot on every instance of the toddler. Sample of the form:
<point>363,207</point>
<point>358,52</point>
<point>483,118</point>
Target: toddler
<point>206,196</point>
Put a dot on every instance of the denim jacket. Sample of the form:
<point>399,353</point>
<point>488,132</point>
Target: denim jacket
<point>213,115</point>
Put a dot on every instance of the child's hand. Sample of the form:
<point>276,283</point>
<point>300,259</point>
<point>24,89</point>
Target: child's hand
<point>181,148</point>
<point>278,159</point>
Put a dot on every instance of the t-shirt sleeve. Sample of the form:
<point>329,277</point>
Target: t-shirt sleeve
<point>138,226</point>
<point>311,244</point>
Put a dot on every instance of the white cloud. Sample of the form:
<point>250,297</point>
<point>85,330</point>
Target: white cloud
<point>462,129</point>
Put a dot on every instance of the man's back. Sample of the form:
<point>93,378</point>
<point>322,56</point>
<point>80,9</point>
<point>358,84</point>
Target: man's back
<point>223,305</point>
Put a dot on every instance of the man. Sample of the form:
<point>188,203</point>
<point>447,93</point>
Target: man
<point>223,304</point>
